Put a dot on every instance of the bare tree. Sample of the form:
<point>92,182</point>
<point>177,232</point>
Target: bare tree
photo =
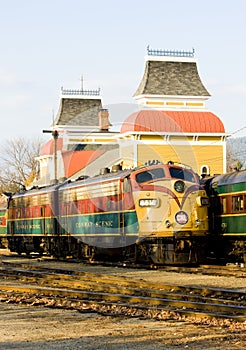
<point>235,154</point>
<point>18,166</point>
<point>232,162</point>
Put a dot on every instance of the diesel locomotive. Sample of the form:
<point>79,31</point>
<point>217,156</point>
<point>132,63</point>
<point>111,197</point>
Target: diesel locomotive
<point>153,214</point>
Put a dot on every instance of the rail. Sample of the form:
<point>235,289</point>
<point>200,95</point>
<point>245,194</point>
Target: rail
<point>92,290</point>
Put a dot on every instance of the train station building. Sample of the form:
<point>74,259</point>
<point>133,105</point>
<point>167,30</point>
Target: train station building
<point>171,123</point>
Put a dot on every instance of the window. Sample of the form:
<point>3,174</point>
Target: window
<point>182,174</point>
<point>149,175</point>
<point>224,205</point>
<point>205,170</point>
<point>237,203</point>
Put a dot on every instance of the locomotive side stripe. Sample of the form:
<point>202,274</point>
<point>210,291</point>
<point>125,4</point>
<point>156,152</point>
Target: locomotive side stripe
<point>171,193</point>
<point>79,214</point>
<point>161,189</point>
<point>93,234</point>
<point>233,188</point>
<point>233,215</point>
<point>233,234</point>
<point>95,223</point>
<point>96,234</point>
<point>224,194</point>
<point>233,224</point>
<point>188,192</point>
<point>32,218</point>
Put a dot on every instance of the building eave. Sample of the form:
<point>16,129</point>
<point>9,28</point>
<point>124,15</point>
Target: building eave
<point>170,58</point>
<point>166,97</point>
<point>166,133</point>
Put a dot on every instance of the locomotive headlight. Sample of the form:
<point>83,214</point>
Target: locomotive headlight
<point>148,202</point>
<point>197,222</point>
<point>181,217</point>
<point>179,186</point>
<point>167,223</point>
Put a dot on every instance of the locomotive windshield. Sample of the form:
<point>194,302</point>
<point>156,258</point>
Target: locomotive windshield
<point>182,174</point>
<point>154,174</point>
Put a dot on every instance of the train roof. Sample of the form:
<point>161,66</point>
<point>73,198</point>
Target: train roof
<point>113,176</point>
<point>85,181</point>
<point>36,191</point>
<point>121,174</point>
<point>229,179</point>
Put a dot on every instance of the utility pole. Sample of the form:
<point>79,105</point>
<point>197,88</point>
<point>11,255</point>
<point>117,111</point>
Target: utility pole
<point>55,135</point>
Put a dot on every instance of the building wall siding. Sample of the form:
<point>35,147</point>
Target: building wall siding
<point>193,156</point>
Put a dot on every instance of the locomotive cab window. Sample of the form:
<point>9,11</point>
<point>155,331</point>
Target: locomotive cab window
<point>182,174</point>
<point>237,203</point>
<point>149,175</point>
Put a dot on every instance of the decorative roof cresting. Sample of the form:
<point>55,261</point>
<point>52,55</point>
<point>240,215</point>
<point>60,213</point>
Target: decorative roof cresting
<point>80,92</point>
<point>174,53</point>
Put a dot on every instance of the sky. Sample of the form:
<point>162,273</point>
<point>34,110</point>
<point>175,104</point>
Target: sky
<point>49,44</point>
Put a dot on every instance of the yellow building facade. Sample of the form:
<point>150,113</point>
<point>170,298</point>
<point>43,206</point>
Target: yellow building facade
<point>191,153</point>
<point>172,123</point>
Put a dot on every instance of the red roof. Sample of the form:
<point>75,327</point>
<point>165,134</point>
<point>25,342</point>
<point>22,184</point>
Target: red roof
<point>73,160</point>
<point>77,160</point>
<point>173,121</point>
<point>48,147</point>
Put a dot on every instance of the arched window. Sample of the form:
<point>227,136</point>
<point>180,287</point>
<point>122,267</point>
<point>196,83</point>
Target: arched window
<point>205,170</point>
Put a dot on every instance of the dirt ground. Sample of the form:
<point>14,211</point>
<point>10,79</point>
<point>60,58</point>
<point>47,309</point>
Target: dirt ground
<point>38,328</point>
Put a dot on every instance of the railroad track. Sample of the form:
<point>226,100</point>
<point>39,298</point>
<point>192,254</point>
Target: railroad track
<point>84,290</point>
<point>232,270</point>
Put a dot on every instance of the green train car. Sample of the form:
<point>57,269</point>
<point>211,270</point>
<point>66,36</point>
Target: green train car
<point>227,219</point>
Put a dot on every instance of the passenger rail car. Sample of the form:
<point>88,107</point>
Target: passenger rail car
<point>3,221</point>
<point>228,215</point>
<point>152,214</point>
